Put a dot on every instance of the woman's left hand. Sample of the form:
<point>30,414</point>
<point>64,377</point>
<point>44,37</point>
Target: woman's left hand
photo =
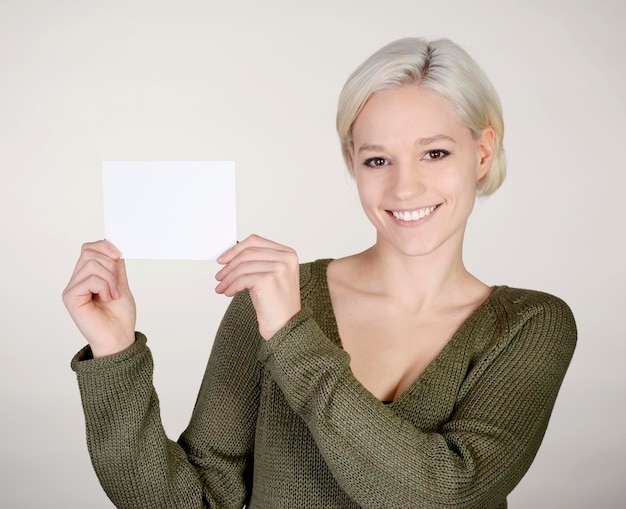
<point>271,273</point>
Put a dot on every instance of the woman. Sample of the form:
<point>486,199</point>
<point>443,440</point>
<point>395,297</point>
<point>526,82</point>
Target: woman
<point>391,378</point>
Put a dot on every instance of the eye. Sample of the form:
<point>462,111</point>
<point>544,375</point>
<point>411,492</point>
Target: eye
<point>375,162</point>
<point>433,155</point>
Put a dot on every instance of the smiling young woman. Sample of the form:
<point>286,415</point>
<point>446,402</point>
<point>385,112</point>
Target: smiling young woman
<point>389,378</point>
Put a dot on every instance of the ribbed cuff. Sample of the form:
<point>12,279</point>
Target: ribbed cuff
<point>288,334</point>
<point>84,363</point>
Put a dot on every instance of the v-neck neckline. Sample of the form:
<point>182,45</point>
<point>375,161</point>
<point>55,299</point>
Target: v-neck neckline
<point>320,274</point>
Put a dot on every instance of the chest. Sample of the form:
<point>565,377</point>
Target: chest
<point>390,348</point>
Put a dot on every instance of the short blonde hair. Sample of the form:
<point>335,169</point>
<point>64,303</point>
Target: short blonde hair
<point>441,66</point>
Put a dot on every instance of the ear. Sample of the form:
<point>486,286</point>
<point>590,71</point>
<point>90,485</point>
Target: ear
<point>485,147</point>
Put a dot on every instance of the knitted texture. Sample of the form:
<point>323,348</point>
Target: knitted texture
<point>284,423</point>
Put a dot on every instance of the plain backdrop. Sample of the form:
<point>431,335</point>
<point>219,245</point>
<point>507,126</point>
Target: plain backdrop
<point>257,82</point>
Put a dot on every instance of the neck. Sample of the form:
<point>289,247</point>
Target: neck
<point>419,282</point>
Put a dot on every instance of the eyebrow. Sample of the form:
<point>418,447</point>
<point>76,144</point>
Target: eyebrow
<point>421,141</point>
<point>432,139</point>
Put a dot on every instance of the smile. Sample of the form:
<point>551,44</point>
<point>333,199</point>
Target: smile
<point>413,215</point>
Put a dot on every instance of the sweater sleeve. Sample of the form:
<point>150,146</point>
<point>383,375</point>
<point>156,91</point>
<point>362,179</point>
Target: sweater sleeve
<point>472,461</point>
<point>137,465</point>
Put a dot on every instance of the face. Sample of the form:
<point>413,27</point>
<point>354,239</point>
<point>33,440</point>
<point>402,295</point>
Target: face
<point>417,167</point>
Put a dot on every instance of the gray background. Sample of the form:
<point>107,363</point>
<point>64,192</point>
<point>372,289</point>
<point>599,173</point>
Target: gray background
<point>257,83</point>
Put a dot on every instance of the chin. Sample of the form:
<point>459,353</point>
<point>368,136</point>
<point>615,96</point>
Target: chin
<point>410,249</point>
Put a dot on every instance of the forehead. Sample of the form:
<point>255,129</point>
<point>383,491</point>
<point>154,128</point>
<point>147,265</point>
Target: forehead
<point>406,111</point>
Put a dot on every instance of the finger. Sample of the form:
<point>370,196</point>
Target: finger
<point>121,276</point>
<point>93,267</point>
<point>100,249</point>
<point>287,256</point>
<point>89,255</point>
<point>248,270</point>
<point>243,283</point>
<point>248,281</point>
<point>86,291</point>
<point>251,241</point>
<point>102,246</point>
<point>276,273</point>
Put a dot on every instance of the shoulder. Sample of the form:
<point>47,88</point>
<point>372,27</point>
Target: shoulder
<point>312,274</point>
<point>528,303</point>
<point>535,314</point>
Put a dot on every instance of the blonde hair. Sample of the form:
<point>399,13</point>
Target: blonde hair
<point>441,66</point>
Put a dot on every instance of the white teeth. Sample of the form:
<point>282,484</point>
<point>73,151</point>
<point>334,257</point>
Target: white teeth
<point>413,215</point>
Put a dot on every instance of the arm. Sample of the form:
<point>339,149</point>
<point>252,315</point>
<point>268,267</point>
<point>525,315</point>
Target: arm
<point>138,466</point>
<point>135,462</point>
<point>473,460</point>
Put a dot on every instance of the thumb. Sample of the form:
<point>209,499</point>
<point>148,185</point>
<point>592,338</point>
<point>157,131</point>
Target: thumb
<point>122,278</point>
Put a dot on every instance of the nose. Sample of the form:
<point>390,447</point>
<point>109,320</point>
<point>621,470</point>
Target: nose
<point>408,181</point>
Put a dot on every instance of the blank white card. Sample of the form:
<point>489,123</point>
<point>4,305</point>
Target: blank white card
<point>181,210</point>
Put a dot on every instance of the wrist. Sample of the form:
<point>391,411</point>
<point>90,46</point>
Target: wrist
<point>268,333</point>
<point>111,348</point>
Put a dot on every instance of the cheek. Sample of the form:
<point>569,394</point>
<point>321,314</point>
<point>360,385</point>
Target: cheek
<point>365,191</point>
<point>461,183</point>
<point>369,196</point>
<point>466,193</point>
<point>450,184</point>
<point>459,190</point>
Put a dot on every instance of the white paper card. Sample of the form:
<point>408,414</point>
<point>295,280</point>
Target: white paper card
<point>182,210</point>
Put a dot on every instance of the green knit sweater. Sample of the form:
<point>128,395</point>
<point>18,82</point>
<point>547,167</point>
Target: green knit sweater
<point>284,423</point>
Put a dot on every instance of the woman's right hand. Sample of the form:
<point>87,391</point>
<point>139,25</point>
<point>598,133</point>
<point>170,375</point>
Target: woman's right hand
<point>99,300</point>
